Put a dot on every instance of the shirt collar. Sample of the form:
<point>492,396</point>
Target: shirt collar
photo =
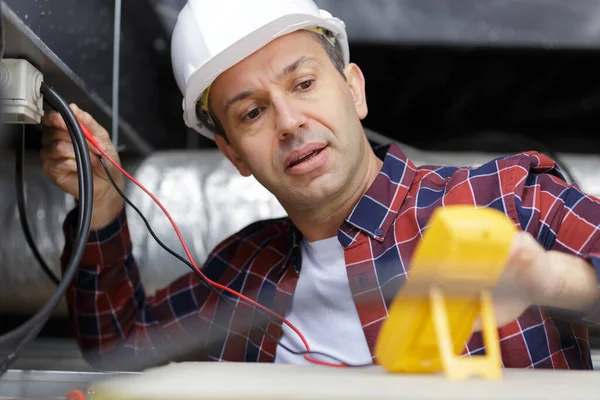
<point>376,210</point>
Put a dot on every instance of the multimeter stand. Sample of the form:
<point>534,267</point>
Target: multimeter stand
<point>453,272</point>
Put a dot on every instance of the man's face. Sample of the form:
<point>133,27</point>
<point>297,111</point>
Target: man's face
<point>292,120</point>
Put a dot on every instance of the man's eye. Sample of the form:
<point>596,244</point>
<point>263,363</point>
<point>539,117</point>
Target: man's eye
<point>252,114</point>
<point>305,85</point>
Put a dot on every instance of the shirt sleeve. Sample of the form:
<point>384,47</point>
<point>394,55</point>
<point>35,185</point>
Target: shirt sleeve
<point>558,214</point>
<point>114,322</point>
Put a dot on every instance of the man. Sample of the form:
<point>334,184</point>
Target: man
<point>272,84</point>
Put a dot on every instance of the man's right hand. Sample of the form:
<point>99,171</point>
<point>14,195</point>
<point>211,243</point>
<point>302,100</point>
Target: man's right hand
<point>58,163</point>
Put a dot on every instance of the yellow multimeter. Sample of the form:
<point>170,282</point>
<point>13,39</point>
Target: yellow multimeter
<point>453,271</point>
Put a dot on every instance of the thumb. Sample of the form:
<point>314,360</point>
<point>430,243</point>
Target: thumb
<point>526,261</point>
<point>95,129</point>
<point>525,251</point>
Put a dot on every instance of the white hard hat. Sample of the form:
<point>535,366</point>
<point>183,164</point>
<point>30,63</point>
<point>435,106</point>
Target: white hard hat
<point>213,35</point>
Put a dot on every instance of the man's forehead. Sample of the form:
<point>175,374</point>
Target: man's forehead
<point>279,53</point>
<point>273,58</point>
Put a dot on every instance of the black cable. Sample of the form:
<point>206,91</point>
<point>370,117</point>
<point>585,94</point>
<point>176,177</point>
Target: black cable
<point>562,166</point>
<point>29,330</point>
<point>13,355</point>
<point>21,206</point>
<point>208,284</point>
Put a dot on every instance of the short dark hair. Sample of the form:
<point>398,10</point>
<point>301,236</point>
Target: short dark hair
<point>334,51</point>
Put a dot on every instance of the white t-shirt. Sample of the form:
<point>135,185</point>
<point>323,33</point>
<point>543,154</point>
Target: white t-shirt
<point>323,309</point>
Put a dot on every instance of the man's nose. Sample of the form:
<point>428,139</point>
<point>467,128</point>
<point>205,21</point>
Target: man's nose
<point>289,118</point>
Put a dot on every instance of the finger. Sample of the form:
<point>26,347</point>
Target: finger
<point>53,119</point>
<point>53,135</point>
<point>59,150</point>
<point>90,123</point>
<point>57,168</point>
<point>97,130</point>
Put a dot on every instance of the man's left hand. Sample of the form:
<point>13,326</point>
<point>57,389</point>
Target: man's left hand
<point>535,276</point>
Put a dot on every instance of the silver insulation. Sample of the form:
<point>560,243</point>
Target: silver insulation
<point>204,193</point>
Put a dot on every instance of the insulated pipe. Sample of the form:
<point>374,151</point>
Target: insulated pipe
<point>201,189</point>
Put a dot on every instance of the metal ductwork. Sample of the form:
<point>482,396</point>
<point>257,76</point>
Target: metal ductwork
<point>201,189</point>
<point>549,24</point>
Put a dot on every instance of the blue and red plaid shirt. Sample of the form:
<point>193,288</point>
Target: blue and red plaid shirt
<point>116,323</point>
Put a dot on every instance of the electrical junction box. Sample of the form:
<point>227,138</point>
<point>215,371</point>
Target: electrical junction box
<point>20,83</point>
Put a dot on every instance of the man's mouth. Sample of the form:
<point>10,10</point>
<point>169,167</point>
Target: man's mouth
<point>305,157</point>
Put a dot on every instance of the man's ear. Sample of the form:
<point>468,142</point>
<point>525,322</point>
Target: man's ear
<point>232,155</point>
<point>356,81</point>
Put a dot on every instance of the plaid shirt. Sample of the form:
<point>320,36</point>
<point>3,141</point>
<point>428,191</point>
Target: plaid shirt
<point>115,323</point>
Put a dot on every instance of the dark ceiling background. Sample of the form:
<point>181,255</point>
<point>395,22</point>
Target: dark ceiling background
<point>479,91</point>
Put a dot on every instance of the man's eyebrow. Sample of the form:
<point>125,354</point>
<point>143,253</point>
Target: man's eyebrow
<point>296,64</point>
<point>238,97</point>
<point>286,71</point>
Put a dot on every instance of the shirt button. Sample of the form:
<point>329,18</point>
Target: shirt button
<point>377,232</point>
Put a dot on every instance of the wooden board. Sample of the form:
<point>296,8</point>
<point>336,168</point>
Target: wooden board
<point>212,381</point>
